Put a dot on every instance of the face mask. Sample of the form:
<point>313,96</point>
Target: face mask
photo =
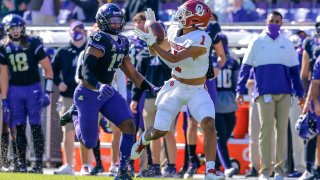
<point>273,30</point>
<point>77,36</point>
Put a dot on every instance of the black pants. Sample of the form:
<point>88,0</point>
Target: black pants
<point>225,123</point>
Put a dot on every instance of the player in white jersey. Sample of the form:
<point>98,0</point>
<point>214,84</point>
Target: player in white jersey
<point>189,59</point>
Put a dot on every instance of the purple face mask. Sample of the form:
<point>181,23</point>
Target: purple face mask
<point>77,36</point>
<point>273,30</point>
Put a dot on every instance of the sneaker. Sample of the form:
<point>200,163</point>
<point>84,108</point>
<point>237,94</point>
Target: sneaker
<point>295,174</point>
<point>21,168</point>
<point>105,125</point>
<point>306,176</point>
<point>151,171</point>
<point>65,169</point>
<point>182,171</point>
<point>137,149</point>
<point>229,172</point>
<point>114,170</point>
<point>170,171</point>
<point>37,169</point>
<point>263,177</point>
<point>123,175</point>
<point>278,177</point>
<point>85,170</point>
<point>253,173</point>
<point>191,171</point>
<point>96,170</point>
<point>131,170</point>
<point>67,116</point>
<point>4,169</point>
<point>213,174</point>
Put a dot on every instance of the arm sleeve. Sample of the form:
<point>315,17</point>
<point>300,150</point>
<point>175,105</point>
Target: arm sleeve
<point>89,63</point>
<point>242,78</point>
<point>56,68</point>
<point>295,75</point>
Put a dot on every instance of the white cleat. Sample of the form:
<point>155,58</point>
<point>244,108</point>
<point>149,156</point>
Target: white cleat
<point>213,174</point>
<point>85,170</point>
<point>65,169</point>
<point>229,172</point>
<point>306,175</point>
<point>114,170</point>
<point>278,177</point>
<point>137,150</point>
<point>263,177</point>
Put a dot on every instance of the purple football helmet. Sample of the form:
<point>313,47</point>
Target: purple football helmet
<point>306,126</point>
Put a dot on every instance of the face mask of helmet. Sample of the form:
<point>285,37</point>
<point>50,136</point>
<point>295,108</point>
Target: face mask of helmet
<point>15,32</point>
<point>317,26</point>
<point>115,23</point>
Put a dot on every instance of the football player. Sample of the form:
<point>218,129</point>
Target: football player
<point>311,46</point>
<point>189,59</point>
<point>22,94</point>
<point>105,52</point>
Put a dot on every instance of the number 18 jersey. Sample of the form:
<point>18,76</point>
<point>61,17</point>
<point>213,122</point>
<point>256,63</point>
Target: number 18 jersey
<point>189,69</point>
<point>23,61</point>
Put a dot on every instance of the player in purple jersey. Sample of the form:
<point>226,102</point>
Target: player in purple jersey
<point>22,94</point>
<point>105,52</point>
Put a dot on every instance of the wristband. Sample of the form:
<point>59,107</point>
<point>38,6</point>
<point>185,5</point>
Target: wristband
<point>145,85</point>
<point>217,65</point>
<point>48,85</point>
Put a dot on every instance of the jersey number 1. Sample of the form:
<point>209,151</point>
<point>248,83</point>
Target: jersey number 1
<point>19,62</point>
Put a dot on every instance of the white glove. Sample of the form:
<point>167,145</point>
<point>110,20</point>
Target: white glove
<point>150,15</point>
<point>149,38</point>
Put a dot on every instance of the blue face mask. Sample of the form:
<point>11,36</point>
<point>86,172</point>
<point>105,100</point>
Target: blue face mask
<point>77,36</point>
<point>273,30</point>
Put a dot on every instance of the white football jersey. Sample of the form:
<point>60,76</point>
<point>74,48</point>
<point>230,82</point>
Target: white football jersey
<point>190,69</point>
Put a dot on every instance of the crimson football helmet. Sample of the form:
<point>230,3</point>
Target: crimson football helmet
<point>193,13</point>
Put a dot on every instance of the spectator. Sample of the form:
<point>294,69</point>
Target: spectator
<point>238,13</point>
<point>44,11</point>
<point>276,67</point>
<point>85,10</point>
<point>295,112</point>
<point>133,7</point>
<point>14,7</point>
<point>65,64</point>
<point>311,51</point>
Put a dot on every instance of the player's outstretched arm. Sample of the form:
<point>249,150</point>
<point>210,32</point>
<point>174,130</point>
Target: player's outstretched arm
<point>138,80</point>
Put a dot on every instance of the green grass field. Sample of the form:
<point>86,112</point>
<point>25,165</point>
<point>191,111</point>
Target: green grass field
<point>25,176</point>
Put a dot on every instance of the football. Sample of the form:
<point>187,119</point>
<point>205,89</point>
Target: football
<point>157,29</point>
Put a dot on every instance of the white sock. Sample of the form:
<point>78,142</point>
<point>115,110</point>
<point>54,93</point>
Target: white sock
<point>209,165</point>
<point>144,141</point>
